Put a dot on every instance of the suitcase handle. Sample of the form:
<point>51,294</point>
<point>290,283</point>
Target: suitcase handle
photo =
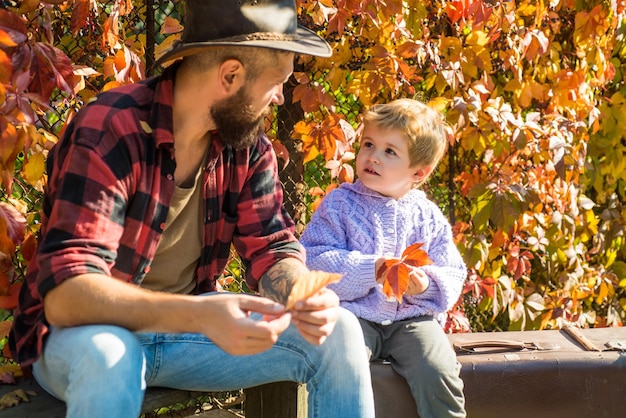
<point>498,345</point>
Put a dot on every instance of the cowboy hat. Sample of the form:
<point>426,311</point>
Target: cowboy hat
<point>260,23</point>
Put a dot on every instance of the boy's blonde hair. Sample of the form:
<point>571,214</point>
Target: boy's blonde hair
<point>423,126</point>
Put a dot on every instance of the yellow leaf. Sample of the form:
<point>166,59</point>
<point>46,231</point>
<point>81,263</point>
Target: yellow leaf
<point>145,126</point>
<point>14,369</point>
<point>440,104</point>
<point>34,169</point>
<point>13,398</point>
<point>477,37</point>
<point>166,45</point>
<point>309,284</point>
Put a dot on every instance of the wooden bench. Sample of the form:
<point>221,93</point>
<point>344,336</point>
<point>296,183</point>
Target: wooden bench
<point>539,374</point>
<point>276,400</point>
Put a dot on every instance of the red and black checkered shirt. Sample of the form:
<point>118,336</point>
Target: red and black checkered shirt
<point>111,180</point>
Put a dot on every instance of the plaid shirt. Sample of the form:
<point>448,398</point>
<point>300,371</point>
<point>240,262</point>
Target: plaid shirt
<point>111,180</point>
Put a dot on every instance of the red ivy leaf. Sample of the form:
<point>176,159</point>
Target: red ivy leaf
<point>9,301</point>
<point>12,228</point>
<point>413,255</point>
<point>396,272</point>
<point>396,281</point>
<point>80,13</point>
<point>52,68</point>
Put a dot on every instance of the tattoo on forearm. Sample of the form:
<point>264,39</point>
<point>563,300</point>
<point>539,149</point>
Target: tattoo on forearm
<point>276,284</point>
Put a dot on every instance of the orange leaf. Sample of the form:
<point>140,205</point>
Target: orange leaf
<point>346,174</point>
<point>414,256</point>
<point>4,284</point>
<point>396,272</point>
<point>166,45</point>
<point>79,15</point>
<point>10,301</point>
<point>14,221</point>
<point>6,69</point>
<point>170,25</point>
<point>309,284</point>
<point>11,143</point>
<point>28,247</point>
<point>5,327</point>
<point>281,151</point>
<point>52,69</point>
<point>396,281</point>
<point>12,228</point>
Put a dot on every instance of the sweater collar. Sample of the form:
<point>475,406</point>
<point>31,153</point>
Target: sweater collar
<point>360,188</point>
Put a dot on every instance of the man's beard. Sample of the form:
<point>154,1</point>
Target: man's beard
<point>236,122</point>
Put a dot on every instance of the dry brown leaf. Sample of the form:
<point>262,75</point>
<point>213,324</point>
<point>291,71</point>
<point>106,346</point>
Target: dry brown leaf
<point>13,398</point>
<point>309,284</point>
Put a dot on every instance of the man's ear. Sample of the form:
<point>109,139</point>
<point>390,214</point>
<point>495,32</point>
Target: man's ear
<point>231,75</point>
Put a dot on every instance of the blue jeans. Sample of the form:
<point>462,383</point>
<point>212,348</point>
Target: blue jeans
<point>103,370</point>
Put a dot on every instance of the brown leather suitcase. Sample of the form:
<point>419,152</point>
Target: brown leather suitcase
<point>568,373</point>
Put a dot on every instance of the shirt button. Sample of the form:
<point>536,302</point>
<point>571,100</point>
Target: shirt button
<point>390,230</point>
<point>170,177</point>
<point>146,270</point>
<point>162,226</point>
<point>386,322</point>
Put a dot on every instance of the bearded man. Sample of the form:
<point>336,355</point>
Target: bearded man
<point>148,188</point>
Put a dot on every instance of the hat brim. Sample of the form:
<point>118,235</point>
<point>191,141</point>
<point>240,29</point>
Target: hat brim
<point>308,42</point>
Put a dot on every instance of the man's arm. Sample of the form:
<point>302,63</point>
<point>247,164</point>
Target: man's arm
<point>99,299</point>
<point>315,317</point>
<point>277,282</point>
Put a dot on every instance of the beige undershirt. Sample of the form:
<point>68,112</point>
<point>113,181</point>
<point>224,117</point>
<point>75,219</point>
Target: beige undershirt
<point>174,266</point>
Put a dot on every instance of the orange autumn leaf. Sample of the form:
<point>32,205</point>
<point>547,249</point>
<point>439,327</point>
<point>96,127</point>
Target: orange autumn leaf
<point>170,26</point>
<point>396,279</point>
<point>80,14</point>
<point>5,327</point>
<point>29,247</point>
<point>9,301</point>
<point>323,136</point>
<point>309,284</point>
<point>12,228</point>
<point>396,271</point>
<point>414,256</point>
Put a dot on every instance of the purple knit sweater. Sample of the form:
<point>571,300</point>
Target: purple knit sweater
<point>354,226</point>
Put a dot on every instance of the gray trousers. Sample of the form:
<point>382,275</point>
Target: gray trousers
<point>420,351</point>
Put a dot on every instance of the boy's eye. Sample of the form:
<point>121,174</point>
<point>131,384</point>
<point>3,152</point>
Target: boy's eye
<point>390,151</point>
<point>368,144</point>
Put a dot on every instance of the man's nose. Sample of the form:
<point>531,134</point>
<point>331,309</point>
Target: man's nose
<point>278,97</point>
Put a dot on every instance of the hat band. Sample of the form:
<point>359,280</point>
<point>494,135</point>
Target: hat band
<point>259,36</point>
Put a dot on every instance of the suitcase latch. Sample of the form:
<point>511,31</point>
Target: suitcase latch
<point>616,345</point>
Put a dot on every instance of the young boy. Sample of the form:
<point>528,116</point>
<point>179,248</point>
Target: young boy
<point>358,226</point>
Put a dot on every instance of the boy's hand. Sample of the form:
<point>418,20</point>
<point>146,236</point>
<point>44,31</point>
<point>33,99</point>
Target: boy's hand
<point>418,282</point>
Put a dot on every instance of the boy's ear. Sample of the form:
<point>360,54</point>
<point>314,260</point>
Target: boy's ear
<point>421,173</point>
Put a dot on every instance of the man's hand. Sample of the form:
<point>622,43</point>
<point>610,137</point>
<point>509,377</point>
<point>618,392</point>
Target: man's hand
<point>315,317</point>
<point>418,282</point>
<point>232,329</point>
